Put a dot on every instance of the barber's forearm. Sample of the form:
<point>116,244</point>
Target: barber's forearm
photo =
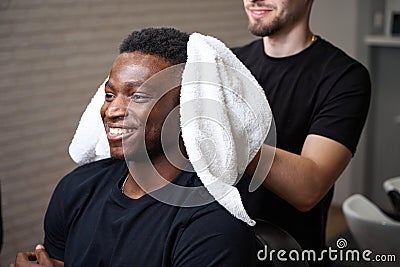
<point>297,180</point>
<point>301,180</point>
<point>290,177</point>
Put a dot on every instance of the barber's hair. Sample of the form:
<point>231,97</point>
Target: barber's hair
<point>168,43</point>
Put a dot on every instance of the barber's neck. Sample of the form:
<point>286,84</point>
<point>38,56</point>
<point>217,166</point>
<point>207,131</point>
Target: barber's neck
<point>287,43</point>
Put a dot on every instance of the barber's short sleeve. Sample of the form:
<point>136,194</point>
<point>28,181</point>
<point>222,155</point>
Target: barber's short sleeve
<point>54,225</point>
<point>345,107</point>
<point>216,239</point>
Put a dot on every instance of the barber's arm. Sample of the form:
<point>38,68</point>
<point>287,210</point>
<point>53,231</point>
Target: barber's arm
<point>39,257</point>
<point>303,180</point>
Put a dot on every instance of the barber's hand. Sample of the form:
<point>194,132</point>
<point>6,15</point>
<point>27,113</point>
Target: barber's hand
<point>37,258</point>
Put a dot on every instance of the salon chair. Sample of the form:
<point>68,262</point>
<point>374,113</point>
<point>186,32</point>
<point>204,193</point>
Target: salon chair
<point>372,228</point>
<point>392,188</point>
<point>274,238</point>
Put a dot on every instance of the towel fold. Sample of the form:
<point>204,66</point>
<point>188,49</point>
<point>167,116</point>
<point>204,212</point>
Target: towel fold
<point>90,141</point>
<point>225,118</point>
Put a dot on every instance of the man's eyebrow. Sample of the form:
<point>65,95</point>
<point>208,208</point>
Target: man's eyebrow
<point>109,84</point>
<point>126,85</point>
<point>133,84</point>
<point>146,86</point>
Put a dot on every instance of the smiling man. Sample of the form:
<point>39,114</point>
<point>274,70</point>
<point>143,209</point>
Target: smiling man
<point>100,216</point>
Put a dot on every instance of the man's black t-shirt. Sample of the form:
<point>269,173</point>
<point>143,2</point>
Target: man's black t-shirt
<point>89,222</point>
<point>321,91</point>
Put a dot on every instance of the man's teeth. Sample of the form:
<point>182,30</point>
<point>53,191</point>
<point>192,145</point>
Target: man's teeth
<point>120,131</point>
<point>258,12</point>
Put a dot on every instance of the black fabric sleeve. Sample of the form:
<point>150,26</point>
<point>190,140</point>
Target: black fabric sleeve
<point>216,240</point>
<point>344,111</point>
<point>54,225</point>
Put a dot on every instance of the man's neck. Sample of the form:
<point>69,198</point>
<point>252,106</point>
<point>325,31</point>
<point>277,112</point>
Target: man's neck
<point>144,178</point>
<point>149,175</point>
<point>284,44</point>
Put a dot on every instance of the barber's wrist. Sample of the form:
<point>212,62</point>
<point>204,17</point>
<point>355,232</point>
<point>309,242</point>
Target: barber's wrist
<point>252,166</point>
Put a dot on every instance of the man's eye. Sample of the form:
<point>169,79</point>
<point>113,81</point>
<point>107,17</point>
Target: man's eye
<point>140,98</point>
<point>109,97</point>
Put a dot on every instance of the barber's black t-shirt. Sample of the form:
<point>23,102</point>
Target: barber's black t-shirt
<point>321,91</point>
<point>89,222</point>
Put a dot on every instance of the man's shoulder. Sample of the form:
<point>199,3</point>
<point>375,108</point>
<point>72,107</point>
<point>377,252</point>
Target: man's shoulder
<point>211,216</point>
<point>213,219</point>
<point>212,234</point>
<point>222,217</point>
<point>248,50</point>
<point>210,212</point>
<point>93,172</point>
<point>335,56</point>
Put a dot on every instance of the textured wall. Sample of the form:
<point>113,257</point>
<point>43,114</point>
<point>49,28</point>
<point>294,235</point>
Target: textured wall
<point>53,55</point>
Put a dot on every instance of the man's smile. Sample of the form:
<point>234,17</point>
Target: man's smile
<point>115,132</point>
<point>257,13</point>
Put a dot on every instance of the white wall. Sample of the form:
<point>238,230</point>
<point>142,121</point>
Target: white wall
<point>336,21</point>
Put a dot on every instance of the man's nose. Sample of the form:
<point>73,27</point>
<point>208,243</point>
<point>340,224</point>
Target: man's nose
<point>118,108</point>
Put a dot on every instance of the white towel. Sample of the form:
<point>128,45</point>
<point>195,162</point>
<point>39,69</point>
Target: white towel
<point>225,118</point>
<point>90,141</point>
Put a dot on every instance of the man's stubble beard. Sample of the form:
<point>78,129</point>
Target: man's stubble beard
<point>261,30</point>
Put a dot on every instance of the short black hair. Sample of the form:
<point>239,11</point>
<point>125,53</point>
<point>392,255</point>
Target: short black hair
<point>168,43</point>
